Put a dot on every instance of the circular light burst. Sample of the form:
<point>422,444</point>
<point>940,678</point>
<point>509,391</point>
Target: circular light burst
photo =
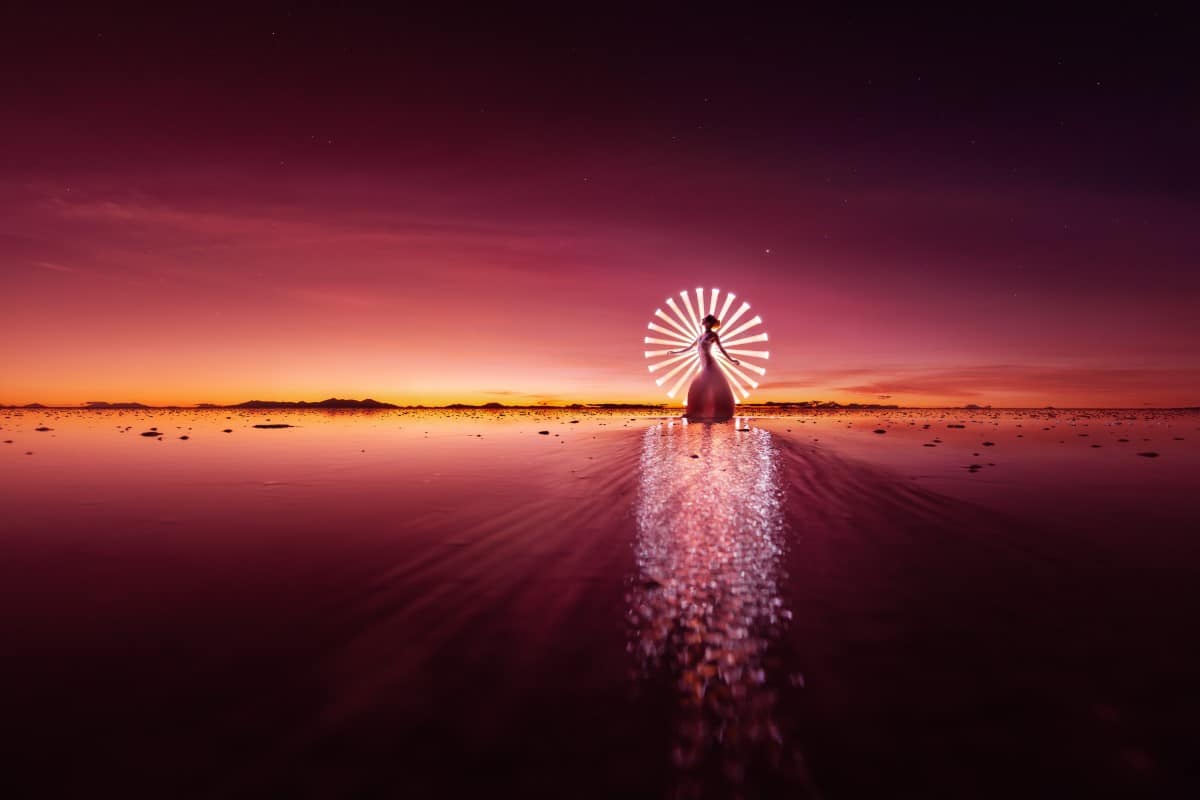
<point>678,328</point>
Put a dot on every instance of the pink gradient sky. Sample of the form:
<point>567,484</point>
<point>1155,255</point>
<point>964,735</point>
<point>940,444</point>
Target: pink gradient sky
<point>182,247</point>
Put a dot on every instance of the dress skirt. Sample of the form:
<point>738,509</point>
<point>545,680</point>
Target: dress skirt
<point>709,396</point>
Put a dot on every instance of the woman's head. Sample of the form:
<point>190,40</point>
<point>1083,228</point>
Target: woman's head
<point>711,322</point>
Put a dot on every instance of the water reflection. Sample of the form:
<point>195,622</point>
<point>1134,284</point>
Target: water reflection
<point>706,602</point>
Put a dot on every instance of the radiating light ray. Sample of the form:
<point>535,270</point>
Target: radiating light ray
<point>686,374</point>
<point>683,317</point>
<point>758,337</point>
<point>669,332</point>
<point>652,340</point>
<point>687,301</point>
<point>700,304</point>
<point>656,353</point>
<point>728,303</point>
<point>658,312</point>
<point>669,361</point>
<point>712,303</point>
<point>740,374</point>
<point>687,364</point>
<point>752,367</point>
<point>763,354</point>
<point>728,323</point>
<point>744,327</point>
<point>733,381</point>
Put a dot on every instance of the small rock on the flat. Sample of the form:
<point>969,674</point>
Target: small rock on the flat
<point>151,433</point>
<point>227,430</point>
<point>1149,454</point>
<point>185,437</point>
<point>274,425</point>
<point>989,444</point>
<point>879,430</point>
<point>43,428</point>
<point>544,433</point>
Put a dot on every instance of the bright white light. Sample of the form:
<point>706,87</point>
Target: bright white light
<point>682,321</point>
<point>658,312</point>
<point>687,301</point>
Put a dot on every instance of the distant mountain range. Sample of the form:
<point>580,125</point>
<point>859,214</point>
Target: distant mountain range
<point>332,402</point>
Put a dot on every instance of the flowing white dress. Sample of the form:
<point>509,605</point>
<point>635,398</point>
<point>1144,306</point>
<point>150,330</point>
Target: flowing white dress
<point>709,396</point>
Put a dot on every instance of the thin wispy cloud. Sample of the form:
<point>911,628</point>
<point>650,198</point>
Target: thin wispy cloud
<point>49,265</point>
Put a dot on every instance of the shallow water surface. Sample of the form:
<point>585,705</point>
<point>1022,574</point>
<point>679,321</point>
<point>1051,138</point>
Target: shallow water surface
<point>600,603</point>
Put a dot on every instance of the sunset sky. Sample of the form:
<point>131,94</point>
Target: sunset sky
<point>299,204</point>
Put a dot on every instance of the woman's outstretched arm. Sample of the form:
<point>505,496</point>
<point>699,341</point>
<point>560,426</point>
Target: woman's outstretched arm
<point>717,339</point>
<point>684,350</point>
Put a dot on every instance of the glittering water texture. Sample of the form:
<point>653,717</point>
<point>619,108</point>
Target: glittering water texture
<point>706,602</point>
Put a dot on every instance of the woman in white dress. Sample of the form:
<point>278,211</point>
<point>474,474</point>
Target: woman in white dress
<point>710,396</point>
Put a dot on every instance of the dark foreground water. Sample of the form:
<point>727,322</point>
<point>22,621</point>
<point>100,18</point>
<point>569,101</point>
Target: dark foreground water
<point>406,604</point>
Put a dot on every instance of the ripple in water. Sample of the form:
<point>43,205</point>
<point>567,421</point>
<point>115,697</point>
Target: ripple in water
<point>706,603</point>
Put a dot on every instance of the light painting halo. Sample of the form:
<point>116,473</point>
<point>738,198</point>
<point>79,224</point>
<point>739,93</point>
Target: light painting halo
<point>676,326</point>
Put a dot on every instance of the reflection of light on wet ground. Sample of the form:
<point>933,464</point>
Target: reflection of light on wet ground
<point>706,602</point>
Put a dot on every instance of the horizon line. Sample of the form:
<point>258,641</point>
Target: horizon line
<point>334,403</point>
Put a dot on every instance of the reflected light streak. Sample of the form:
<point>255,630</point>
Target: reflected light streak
<point>706,601</point>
